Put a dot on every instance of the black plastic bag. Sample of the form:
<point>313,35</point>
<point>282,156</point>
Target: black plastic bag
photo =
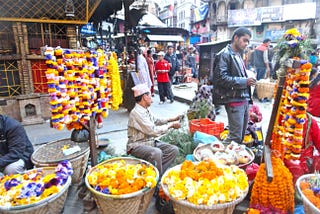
<point>80,135</point>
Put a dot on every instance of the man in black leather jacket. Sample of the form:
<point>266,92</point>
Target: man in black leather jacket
<point>232,84</point>
<point>172,58</point>
<point>15,147</point>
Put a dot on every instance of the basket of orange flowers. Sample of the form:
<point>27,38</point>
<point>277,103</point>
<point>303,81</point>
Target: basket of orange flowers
<point>122,185</point>
<point>205,187</point>
<point>309,188</point>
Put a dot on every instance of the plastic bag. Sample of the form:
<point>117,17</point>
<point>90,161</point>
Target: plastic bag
<point>200,137</point>
<point>80,135</point>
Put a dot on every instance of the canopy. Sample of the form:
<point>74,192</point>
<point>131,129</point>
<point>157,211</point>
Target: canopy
<point>165,38</point>
<point>151,20</point>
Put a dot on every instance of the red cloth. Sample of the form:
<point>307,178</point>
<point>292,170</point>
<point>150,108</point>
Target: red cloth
<point>162,68</point>
<point>314,101</point>
<point>262,47</point>
<point>150,63</point>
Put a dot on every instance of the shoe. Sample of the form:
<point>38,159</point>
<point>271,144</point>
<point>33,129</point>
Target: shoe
<point>161,102</point>
<point>152,95</point>
<point>171,101</point>
<point>100,125</point>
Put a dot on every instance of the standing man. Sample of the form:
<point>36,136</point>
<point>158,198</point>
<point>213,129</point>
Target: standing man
<point>143,128</point>
<point>171,57</point>
<point>15,147</point>
<point>232,84</point>
<point>162,68</point>
<point>261,59</point>
<point>143,69</point>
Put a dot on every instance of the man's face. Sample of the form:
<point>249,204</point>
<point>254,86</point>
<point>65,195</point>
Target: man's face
<point>241,42</point>
<point>170,50</point>
<point>147,98</point>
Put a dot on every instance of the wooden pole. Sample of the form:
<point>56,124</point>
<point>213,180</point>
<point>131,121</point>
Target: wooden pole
<point>92,141</point>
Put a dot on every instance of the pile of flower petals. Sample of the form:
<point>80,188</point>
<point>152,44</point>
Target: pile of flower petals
<point>33,186</point>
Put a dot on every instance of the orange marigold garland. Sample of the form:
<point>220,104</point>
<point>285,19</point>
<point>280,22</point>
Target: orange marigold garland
<point>276,196</point>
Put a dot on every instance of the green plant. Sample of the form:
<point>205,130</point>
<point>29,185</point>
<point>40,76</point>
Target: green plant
<point>200,109</point>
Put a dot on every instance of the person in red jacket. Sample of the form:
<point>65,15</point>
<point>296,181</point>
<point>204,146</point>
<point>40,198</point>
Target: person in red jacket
<point>314,98</point>
<point>162,67</point>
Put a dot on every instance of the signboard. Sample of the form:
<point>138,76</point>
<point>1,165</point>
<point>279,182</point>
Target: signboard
<point>245,17</point>
<point>257,16</point>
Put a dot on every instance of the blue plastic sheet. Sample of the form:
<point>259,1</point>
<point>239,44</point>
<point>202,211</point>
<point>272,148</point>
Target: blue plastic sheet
<point>200,137</point>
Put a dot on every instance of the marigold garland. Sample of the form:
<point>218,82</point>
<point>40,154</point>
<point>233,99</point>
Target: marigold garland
<point>287,133</point>
<point>79,86</point>
<point>278,194</point>
<point>113,69</point>
<point>206,183</point>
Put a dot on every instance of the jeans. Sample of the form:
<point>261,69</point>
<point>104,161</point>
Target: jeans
<point>261,72</point>
<point>237,120</point>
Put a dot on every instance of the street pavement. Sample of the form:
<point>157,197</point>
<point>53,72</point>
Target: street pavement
<point>114,132</point>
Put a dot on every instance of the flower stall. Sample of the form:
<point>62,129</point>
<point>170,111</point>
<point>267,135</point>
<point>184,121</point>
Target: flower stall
<point>83,86</point>
<point>273,189</point>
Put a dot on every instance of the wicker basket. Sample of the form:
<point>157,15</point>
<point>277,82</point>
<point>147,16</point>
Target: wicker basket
<point>51,154</point>
<point>308,206</point>
<point>52,205</point>
<point>185,207</point>
<point>133,203</point>
<point>265,89</point>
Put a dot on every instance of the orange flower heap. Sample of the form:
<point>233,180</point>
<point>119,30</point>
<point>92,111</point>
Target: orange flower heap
<point>279,193</point>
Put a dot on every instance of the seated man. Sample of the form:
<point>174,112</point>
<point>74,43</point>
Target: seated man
<point>143,128</point>
<point>15,147</point>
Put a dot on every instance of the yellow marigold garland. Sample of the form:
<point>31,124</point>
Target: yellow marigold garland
<point>279,193</point>
<point>113,69</point>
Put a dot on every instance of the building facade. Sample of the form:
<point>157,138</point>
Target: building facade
<point>266,18</point>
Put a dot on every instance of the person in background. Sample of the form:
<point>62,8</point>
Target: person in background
<point>15,147</point>
<point>150,62</point>
<point>144,127</point>
<point>232,86</point>
<point>162,68</point>
<point>171,57</point>
<point>191,61</point>
<point>143,69</point>
<point>261,60</point>
<point>314,93</point>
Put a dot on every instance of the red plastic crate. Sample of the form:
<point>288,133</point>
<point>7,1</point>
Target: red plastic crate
<point>206,125</point>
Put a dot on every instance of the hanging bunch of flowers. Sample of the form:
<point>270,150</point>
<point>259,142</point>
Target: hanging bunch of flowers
<point>79,86</point>
<point>117,178</point>
<point>292,44</point>
<point>205,183</point>
<point>276,196</point>
<point>113,69</point>
<point>33,186</point>
<point>287,135</point>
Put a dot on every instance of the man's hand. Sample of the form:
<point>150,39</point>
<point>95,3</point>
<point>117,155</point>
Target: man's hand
<point>175,125</point>
<point>175,118</point>
<point>251,81</point>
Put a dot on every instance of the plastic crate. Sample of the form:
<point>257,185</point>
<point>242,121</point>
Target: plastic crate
<point>206,125</point>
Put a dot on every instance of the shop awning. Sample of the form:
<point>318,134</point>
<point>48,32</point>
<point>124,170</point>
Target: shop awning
<point>165,38</point>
